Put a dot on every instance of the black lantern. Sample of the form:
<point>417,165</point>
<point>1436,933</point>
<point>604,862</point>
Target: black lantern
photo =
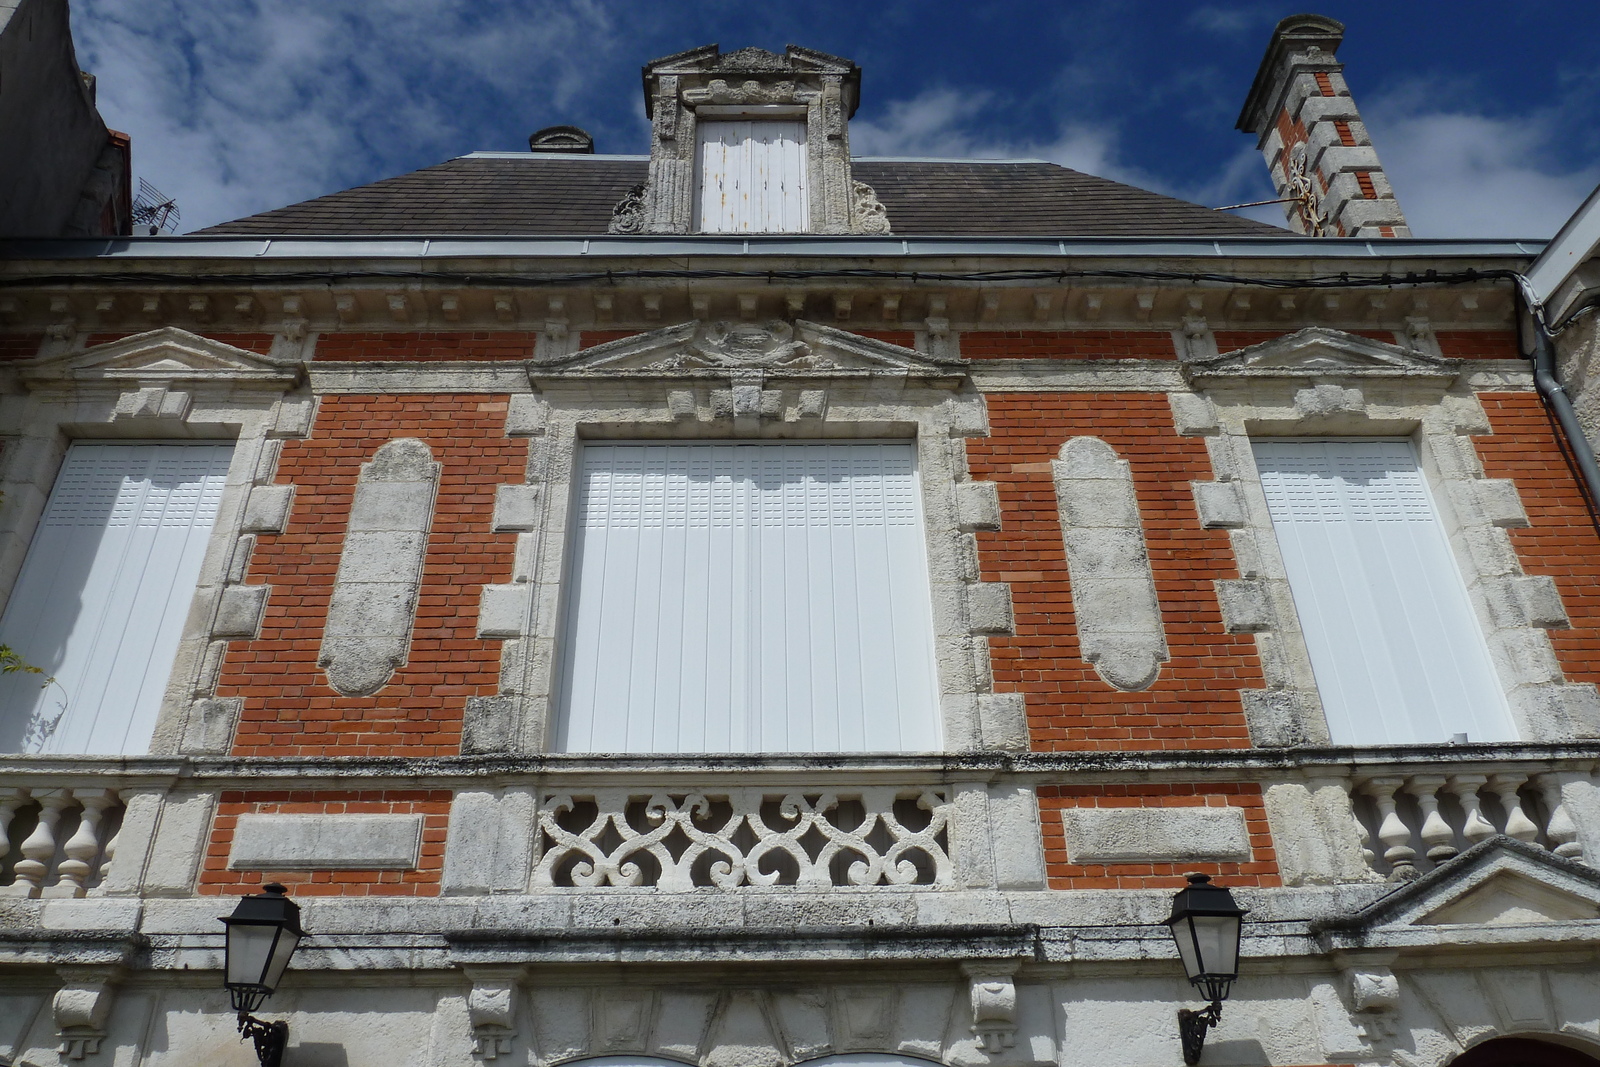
<point>263,932</point>
<point>1205,924</point>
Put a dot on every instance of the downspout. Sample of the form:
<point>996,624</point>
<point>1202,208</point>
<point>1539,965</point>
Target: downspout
<point>1556,399</point>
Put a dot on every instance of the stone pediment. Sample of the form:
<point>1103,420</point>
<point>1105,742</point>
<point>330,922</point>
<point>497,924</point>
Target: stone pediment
<point>724,350</point>
<point>160,357</point>
<point>1500,892</point>
<point>1318,351</point>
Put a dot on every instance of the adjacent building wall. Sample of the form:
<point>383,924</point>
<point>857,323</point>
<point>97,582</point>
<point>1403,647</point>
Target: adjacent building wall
<point>62,172</point>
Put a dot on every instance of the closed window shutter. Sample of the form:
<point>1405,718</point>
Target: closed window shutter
<point>103,594</point>
<point>753,177</point>
<point>749,598</point>
<point>1397,650</point>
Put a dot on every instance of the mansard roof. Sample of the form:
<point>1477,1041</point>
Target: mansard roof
<point>505,194</point>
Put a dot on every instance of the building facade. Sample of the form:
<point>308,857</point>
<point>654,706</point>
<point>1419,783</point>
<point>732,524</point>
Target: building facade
<point>752,605</point>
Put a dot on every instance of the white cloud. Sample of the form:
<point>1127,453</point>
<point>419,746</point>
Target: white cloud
<point>1468,175</point>
<point>946,122</point>
<point>238,106</point>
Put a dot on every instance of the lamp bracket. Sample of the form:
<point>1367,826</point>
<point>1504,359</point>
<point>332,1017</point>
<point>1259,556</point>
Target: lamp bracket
<point>1192,1027</point>
<point>270,1038</point>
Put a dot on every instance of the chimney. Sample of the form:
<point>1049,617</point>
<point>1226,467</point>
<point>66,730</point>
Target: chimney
<point>1316,146</point>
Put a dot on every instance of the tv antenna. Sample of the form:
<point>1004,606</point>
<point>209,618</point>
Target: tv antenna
<point>155,209</point>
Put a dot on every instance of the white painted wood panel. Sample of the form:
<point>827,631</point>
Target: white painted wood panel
<point>1397,650</point>
<point>104,592</point>
<point>753,177</point>
<point>748,598</point>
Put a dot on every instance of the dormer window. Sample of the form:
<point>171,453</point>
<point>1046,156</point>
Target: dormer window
<point>750,142</point>
<point>751,174</point>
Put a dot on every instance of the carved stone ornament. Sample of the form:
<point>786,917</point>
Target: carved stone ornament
<point>1120,628</point>
<point>992,987</point>
<point>1319,351</point>
<point>723,349</point>
<point>368,630</point>
<point>867,213</point>
<point>749,91</point>
<point>629,214</point>
<point>492,1009</point>
<point>80,1007</point>
<point>157,358</point>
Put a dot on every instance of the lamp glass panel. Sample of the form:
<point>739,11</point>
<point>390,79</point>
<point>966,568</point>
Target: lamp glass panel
<point>1183,936</point>
<point>287,941</point>
<point>250,949</point>
<point>1217,938</point>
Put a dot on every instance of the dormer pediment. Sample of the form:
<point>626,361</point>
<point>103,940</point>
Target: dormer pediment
<point>161,357</point>
<point>1500,892</point>
<point>723,350</point>
<point>1318,351</point>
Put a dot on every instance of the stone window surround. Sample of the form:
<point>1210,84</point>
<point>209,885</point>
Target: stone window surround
<point>1515,609</point>
<point>821,96</point>
<point>237,397</point>
<point>527,612</point>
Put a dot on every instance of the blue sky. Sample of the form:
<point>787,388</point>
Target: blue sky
<point>1486,115</point>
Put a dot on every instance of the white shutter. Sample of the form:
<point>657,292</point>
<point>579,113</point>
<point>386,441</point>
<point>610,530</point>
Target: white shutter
<point>103,595</point>
<point>753,177</point>
<point>1397,650</point>
<point>748,598</point>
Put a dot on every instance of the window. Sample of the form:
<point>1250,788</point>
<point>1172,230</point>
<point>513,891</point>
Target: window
<point>748,598</point>
<point>103,594</point>
<point>753,177</point>
<point>1397,651</point>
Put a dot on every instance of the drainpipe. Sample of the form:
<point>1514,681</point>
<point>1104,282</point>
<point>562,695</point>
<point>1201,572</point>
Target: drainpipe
<point>1556,398</point>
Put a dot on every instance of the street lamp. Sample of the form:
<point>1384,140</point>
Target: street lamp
<point>263,932</point>
<point>1205,924</point>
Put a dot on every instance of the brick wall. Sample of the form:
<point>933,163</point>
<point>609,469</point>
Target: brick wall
<point>466,344</point>
<point>590,338</point>
<point>1479,344</point>
<point>1061,873</point>
<point>1233,340</point>
<point>1194,704</point>
<point>1068,344</point>
<point>259,343</point>
<point>1562,541</point>
<point>20,345</point>
<point>904,338</point>
<point>289,709</point>
<point>421,881</point>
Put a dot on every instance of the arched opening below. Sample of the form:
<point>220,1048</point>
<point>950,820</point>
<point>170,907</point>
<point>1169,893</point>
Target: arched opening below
<point>1523,1052</point>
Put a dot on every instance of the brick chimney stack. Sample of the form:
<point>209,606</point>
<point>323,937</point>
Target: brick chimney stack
<point>1312,136</point>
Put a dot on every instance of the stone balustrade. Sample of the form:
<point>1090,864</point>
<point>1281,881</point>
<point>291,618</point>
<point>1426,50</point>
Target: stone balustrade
<point>57,842</point>
<point>1411,820</point>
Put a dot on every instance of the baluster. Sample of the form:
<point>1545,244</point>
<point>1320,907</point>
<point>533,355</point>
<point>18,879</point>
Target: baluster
<point>81,847</point>
<point>1518,825</point>
<point>1392,831</point>
<point>1368,857</point>
<point>10,801</point>
<point>109,853</point>
<point>1562,832</point>
<point>1436,834</point>
<point>1475,827</point>
<point>40,847</point>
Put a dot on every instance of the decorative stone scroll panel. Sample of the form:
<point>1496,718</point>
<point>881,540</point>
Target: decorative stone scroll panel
<point>1113,590</point>
<point>368,631</point>
<point>726,838</point>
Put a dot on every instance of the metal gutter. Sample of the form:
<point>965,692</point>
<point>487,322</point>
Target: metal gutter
<point>1575,242</point>
<point>460,247</point>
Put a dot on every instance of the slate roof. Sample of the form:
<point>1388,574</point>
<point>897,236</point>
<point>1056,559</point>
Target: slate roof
<point>533,195</point>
